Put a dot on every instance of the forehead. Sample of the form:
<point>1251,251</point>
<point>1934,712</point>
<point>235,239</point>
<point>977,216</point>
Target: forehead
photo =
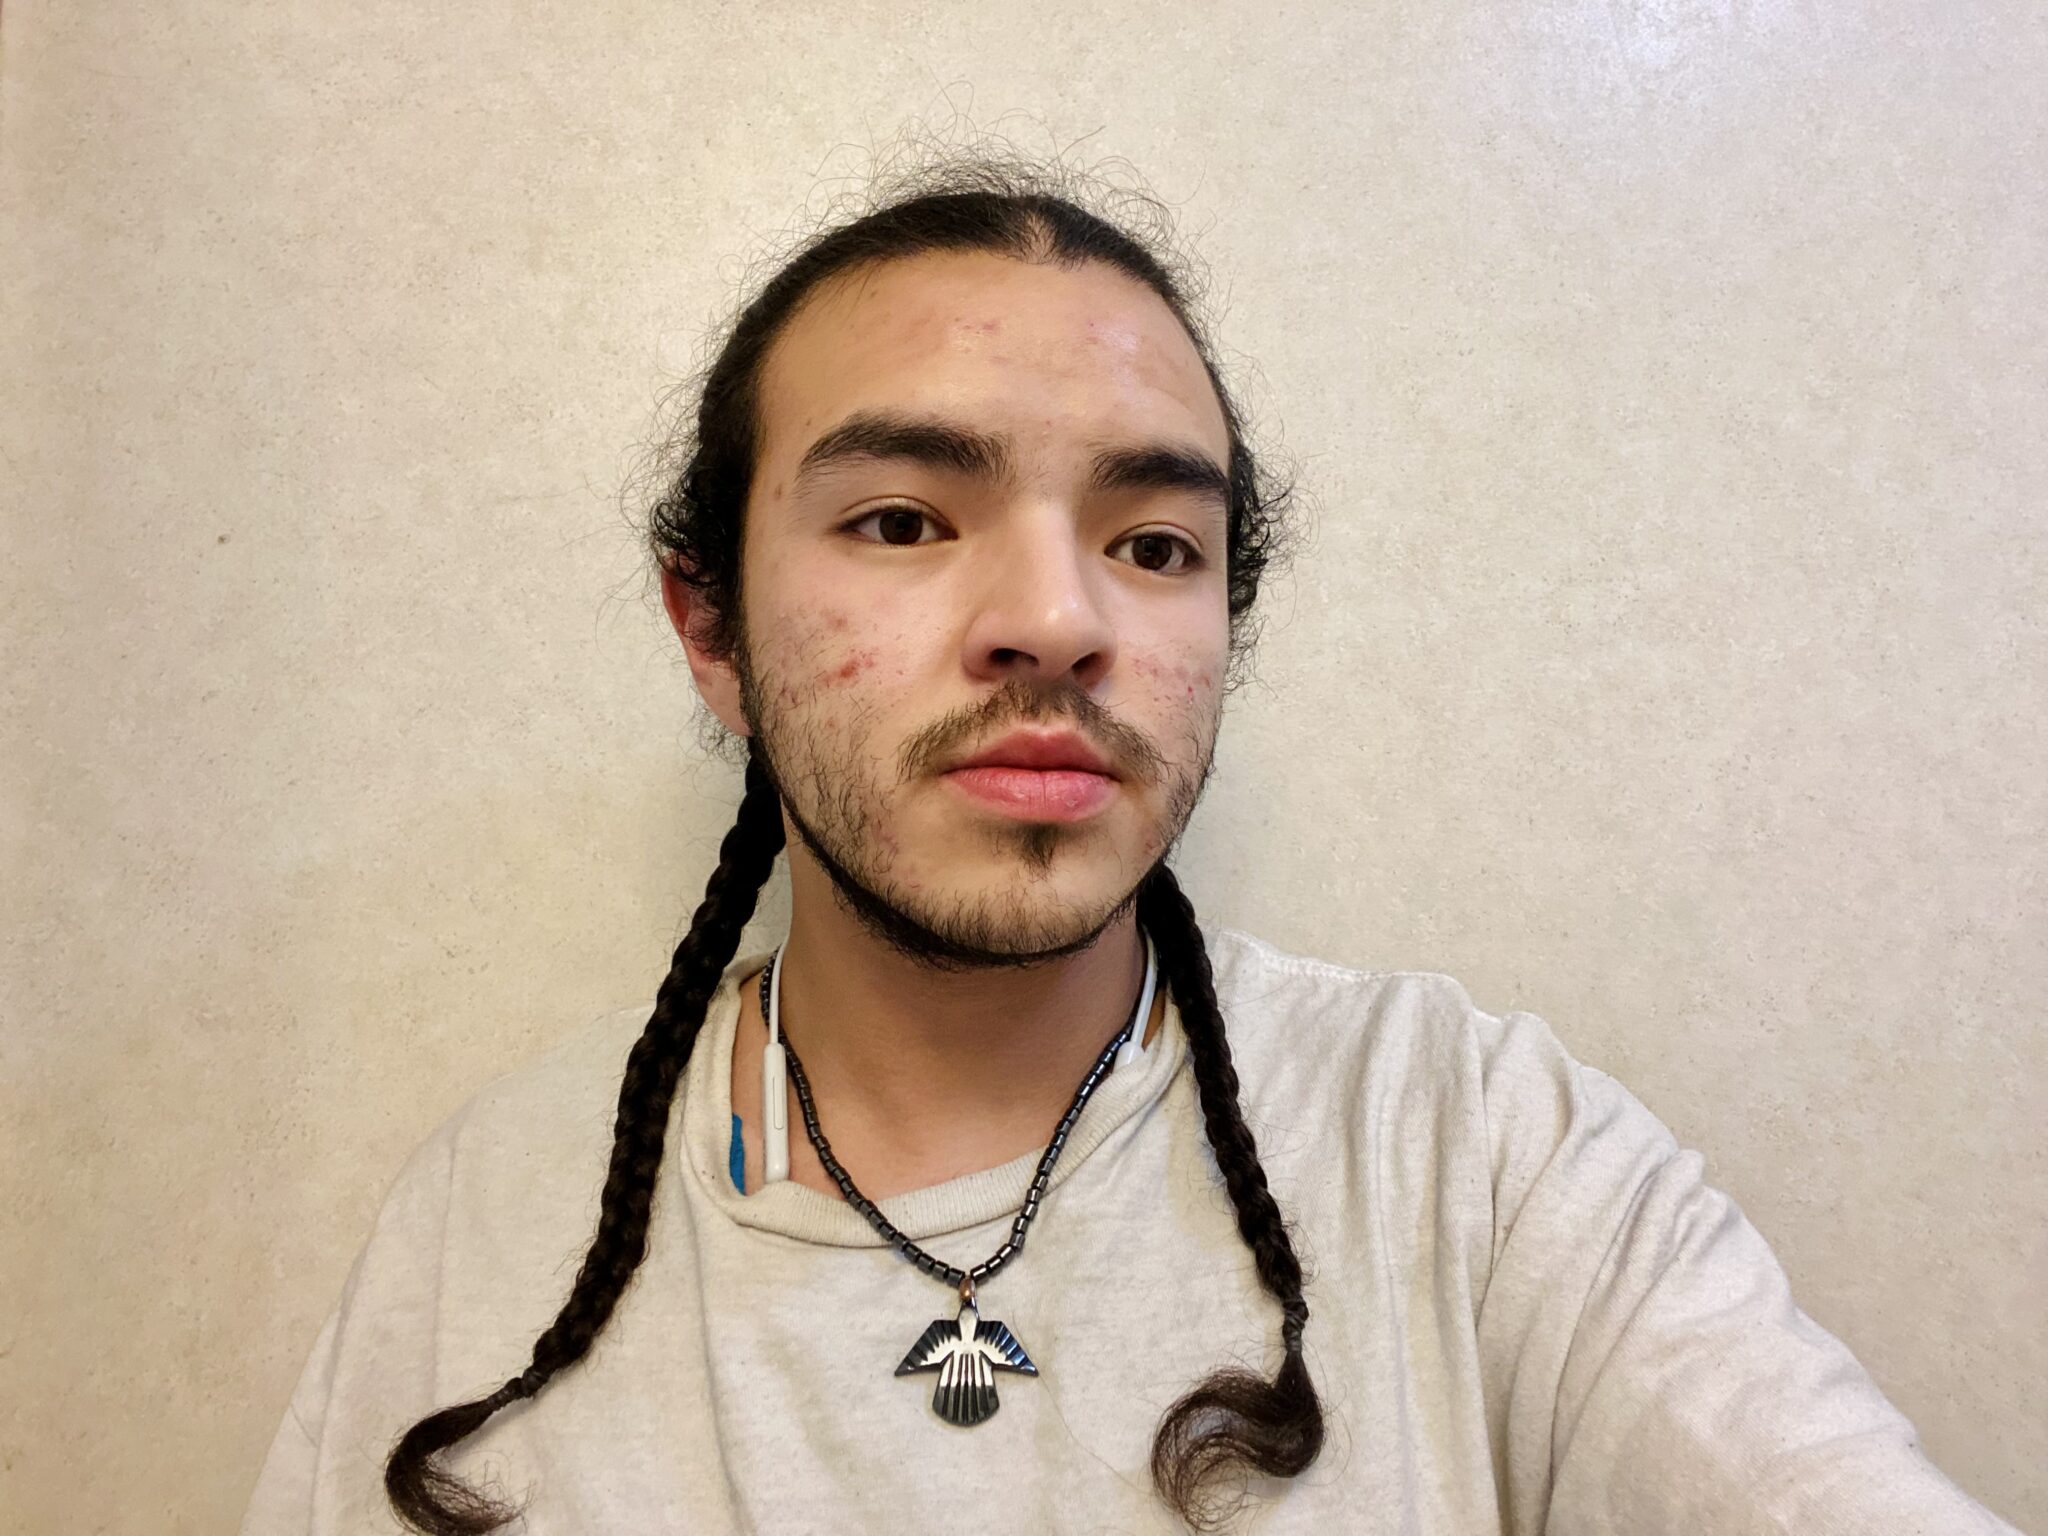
<point>1020,346</point>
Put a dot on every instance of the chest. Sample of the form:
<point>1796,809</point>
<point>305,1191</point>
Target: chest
<point>748,1381</point>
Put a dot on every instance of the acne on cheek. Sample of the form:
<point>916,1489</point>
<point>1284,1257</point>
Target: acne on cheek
<point>833,658</point>
<point>818,645</point>
<point>856,662</point>
<point>1174,676</point>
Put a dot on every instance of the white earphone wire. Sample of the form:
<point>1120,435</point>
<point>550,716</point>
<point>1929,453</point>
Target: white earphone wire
<point>1133,1049</point>
<point>775,1084</point>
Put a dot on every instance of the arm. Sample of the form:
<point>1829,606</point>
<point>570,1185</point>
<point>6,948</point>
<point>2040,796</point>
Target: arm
<point>283,1500</point>
<point>369,1371</point>
<point>1646,1367</point>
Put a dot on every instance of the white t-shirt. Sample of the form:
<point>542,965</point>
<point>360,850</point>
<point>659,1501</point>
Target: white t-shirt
<point>1527,1311</point>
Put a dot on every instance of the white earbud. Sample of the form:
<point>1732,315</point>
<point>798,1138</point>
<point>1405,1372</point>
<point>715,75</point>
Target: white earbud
<point>775,1062</point>
<point>775,1084</point>
<point>1134,1048</point>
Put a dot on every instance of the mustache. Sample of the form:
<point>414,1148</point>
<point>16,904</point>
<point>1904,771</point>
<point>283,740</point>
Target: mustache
<point>1021,701</point>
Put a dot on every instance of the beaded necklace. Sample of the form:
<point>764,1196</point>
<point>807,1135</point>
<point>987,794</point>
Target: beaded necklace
<point>965,1350</point>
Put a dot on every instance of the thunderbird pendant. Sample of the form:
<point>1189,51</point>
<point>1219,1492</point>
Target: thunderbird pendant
<point>966,1352</point>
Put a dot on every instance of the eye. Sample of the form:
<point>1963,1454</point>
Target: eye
<point>892,524</point>
<point>1155,552</point>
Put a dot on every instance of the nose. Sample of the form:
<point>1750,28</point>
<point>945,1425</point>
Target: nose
<point>1042,608</point>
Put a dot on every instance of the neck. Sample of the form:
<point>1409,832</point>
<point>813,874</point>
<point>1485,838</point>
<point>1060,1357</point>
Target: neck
<point>920,1075</point>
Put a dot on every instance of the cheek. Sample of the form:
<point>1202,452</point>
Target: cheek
<point>838,663</point>
<point>1175,682</point>
<point>859,659</point>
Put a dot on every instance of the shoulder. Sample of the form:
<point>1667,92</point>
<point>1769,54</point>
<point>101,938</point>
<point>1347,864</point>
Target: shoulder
<point>567,1090</point>
<point>477,1219</point>
<point>1407,1046</point>
<point>1266,990</point>
<point>1285,1012</point>
<point>459,1270</point>
<point>528,1149</point>
<point>483,1200</point>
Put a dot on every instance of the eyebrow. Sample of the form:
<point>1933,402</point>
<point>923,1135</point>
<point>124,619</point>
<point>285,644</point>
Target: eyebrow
<point>940,444</point>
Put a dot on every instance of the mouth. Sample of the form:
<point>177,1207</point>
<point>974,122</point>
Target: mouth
<point>1038,776</point>
<point>1036,794</point>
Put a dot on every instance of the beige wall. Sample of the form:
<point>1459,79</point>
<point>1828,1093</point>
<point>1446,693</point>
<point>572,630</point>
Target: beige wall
<point>1669,659</point>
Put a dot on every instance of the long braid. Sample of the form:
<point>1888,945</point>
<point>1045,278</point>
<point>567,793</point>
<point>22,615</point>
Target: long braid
<point>1276,1426</point>
<point>428,1498</point>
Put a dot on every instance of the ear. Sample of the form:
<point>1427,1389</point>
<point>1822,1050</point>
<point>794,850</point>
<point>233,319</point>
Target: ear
<point>718,683</point>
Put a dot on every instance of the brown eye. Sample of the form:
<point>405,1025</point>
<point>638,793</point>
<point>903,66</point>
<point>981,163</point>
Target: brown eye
<point>898,526</point>
<point>1156,552</point>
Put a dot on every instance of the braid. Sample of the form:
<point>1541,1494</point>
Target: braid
<point>1276,1427</point>
<point>1232,1417</point>
<point>429,1499</point>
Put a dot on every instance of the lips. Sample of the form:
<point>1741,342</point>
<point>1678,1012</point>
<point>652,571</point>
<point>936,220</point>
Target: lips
<point>1042,751</point>
<point>1036,794</point>
<point>1045,776</point>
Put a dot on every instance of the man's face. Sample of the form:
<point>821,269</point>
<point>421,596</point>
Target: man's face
<point>904,610</point>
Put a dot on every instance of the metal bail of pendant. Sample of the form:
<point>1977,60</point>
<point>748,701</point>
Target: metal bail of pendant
<point>967,1293</point>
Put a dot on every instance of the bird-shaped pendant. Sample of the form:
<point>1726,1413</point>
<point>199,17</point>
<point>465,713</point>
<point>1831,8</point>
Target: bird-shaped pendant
<point>966,1352</point>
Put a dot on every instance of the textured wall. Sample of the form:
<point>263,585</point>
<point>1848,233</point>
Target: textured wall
<point>1668,659</point>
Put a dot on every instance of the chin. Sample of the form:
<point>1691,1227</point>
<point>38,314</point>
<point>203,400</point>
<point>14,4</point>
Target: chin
<point>1035,908</point>
<point>981,890</point>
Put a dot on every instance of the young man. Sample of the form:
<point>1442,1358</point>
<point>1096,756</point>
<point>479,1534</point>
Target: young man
<point>963,554</point>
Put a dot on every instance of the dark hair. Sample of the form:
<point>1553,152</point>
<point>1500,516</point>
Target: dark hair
<point>1232,1419</point>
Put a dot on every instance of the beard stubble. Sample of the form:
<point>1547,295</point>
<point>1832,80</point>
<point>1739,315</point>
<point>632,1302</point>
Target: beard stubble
<point>837,802</point>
